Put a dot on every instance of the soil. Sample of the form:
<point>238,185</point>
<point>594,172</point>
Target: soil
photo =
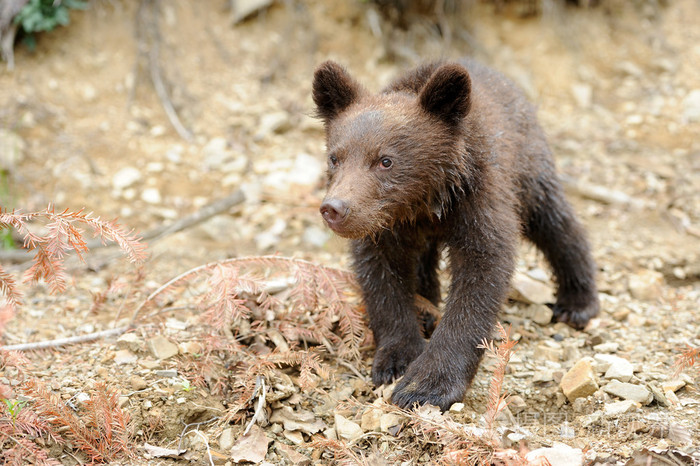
<point>618,94</point>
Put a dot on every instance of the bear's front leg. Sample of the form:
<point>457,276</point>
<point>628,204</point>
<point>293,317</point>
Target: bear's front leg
<point>482,259</point>
<point>386,270</point>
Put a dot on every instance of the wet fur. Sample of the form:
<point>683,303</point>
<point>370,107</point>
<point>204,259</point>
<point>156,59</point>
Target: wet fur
<point>471,172</point>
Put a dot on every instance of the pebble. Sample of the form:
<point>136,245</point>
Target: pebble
<point>579,381</point>
<point>691,106</point>
<point>241,9</point>
<point>12,149</point>
<point>302,420</point>
<point>292,456</point>
<point>389,423</point>
<point>126,177</point>
<point>527,290</point>
<point>539,313</point>
<point>618,368</point>
<point>137,382</point>
<point>629,391</point>
<point>558,454</point>
<point>130,341</point>
<point>620,407</point>
<point>162,348</point>
<point>673,385</point>
<point>583,94</point>
<point>226,439</point>
<point>646,285</point>
<point>151,196</point>
<point>347,429</point>
<point>124,356</point>
<point>549,350</point>
<point>610,347</point>
<point>517,404</point>
<point>370,420</point>
<point>276,122</point>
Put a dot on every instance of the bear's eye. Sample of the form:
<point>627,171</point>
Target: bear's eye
<point>333,160</point>
<point>386,162</point>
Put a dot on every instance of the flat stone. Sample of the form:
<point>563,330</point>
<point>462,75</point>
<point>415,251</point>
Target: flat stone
<point>294,436</point>
<point>162,348</point>
<point>629,391</point>
<point>539,313</point>
<point>291,455</point>
<point>302,420</point>
<point>558,454</point>
<point>347,429</point>
<point>579,381</point>
<point>125,178</point>
<point>609,347</point>
<point>548,351</point>
<point>673,385</point>
<point>389,422</point>
<point>620,407</point>
<point>130,341</point>
<point>370,420</point>
<point>137,382</point>
<point>646,285</point>
<point>526,290</point>
<point>124,357</point>
<point>620,369</point>
<point>226,439</point>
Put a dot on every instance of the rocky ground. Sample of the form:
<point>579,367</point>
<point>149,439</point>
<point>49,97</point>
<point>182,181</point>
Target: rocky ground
<point>82,126</point>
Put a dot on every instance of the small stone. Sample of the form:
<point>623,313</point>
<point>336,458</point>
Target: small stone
<point>226,439</point>
<point>137,382</point>
<point>130,341</point>
<point>241,9</point>
<point>162,348</point>
<point>126,177</point>
<point>539,313</point>
<point>620,407</point>
<point>12,149</point>
<point>291,455</point>
<point>543,375</point>
<point>629,391</point>
<point>517,404</point>
<point>646,285</point>
<point>583,94</point>
<point>151,196</point>
<point>558,454</point>
<point>82,397</point>
<point>691,106</point>
<point>276,122</point>
<point>579,381</point>
<point>457,408</point>
<point>189,347</point>
<point>673,385</point>
<point>621,314</point>
<point>549,351</point>
<point>315,236</point>
<point>610,347</point>
<point>302,420</point>
<point>370,420</point>
<point>124,357</point>
<point>166,373</point>
<point>389,421</point>
<point>526,290</point>
<point>659,396</point>
<point>294,436</point>
<point>620,369</point>
<point>347,429</point>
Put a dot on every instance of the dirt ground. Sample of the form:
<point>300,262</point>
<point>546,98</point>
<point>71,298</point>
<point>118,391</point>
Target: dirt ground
<point>618,92</point>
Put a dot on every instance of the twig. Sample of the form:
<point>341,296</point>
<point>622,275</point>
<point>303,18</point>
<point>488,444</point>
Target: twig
<point>205,213</point>
<point>352,368</point>
<point>197,424</point>
<point>261,404</point>
<point>602,194</point>
<point>65,341</point>
<point>153,34</point>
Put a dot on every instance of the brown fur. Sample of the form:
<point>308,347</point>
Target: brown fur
<point>469,169</point>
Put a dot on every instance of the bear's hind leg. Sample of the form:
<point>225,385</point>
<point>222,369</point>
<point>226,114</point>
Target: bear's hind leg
<point>552,226</point>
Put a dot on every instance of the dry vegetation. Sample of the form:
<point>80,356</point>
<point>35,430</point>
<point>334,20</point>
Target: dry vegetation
<point>181,353</point>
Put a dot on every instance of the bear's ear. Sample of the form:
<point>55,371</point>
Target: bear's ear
<point>333,90</point>
<point>447,93</point>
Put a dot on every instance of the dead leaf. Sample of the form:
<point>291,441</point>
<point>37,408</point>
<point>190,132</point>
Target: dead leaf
<point>159,452</point>
<point>252,447</point>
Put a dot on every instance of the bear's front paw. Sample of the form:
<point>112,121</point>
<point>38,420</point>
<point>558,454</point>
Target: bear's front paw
<point>429,382</point>
<point>392,359</point>
<point>577,313</point>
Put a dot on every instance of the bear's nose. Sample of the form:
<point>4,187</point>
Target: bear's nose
<point>334,211</point>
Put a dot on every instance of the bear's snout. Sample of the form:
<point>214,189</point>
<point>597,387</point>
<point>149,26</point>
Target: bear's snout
<point>334,212</point>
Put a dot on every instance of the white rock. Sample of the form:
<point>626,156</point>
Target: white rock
<point>583,94</point>
<point>691,106</point>
<point>276,122</point>
<point>241,9</point>
<point>151,195</point>
<point>620,369</point>
<point>609,347</point>
<point>620,407</point>
<point>558,454</point>
<point>347,429</point>
<point>126,177</point>
<point>629,391</point>
<point>389,421</point>
<point>11,149</point>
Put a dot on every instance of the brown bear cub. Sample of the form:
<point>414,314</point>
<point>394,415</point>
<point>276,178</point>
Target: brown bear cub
<point>449,155</point>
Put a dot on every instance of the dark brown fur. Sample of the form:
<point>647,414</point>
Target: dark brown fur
<point>469,169</point>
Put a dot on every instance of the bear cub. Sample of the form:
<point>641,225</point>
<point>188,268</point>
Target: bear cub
<point>449,155</point>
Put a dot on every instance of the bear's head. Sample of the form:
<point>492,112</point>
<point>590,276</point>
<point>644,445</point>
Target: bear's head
<point>393,157</point>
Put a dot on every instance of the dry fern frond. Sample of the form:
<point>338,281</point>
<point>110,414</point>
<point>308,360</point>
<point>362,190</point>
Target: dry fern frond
<point>686,359</point>
<point>101,433</point>
<point>502,353</point>
<point>62,236</point>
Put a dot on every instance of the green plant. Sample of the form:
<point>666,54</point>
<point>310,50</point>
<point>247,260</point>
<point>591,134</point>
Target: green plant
<point>45,15</point>
<point>14,407</point>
